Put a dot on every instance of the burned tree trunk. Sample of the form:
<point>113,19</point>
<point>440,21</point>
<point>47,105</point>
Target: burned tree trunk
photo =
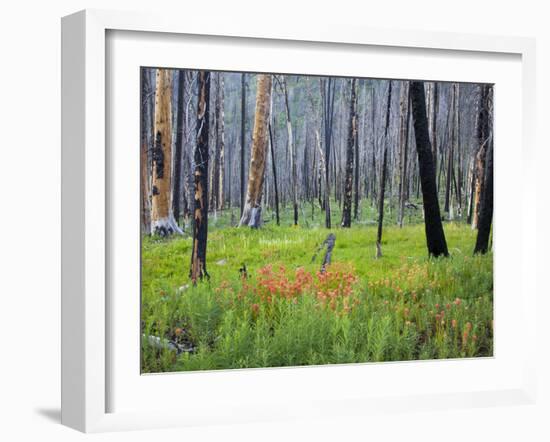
<point>216,193</point>
<point>292,151</point>
<point>243,144</point>
<point>144,157</point>
<point>382,187</point>
<point>329,242</point>
<point>482,139</point>
<point>274,167</point>
<point>356,187</point>
<point>486,210</point>
<point>163,223</point>
<point>350,153</point>
<point>200,210</point>
<point>373,146</point>
<point>433,123</point>
<point>453,147</point>
<point>178,169</point>
<point>322,166</point>
<point>403,148</point>
<point>327,96</point>
<point>435,236</point>
<point>252,209</point>
<point>486,215</point>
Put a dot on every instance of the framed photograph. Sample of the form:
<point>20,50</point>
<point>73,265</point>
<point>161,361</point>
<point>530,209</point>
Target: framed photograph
<point>280,223</point>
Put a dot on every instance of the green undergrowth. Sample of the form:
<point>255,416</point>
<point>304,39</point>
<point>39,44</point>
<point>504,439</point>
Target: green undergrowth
<point>402,306</point>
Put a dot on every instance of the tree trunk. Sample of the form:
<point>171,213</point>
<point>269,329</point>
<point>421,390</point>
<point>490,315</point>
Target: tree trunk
<point>292,151</point>
<point>486,210</point>
<point>200,209</point>
<point>144,157</point>
<point>243,144</point>
<point>252,210</point>
<point>374,145</point>
<point>403,149</point>
<point>486,215</point>
<point>435,236</point>
<point>220,143</point>
<point>322,167</point>
<point>162,222</point>
<point>458,149</point>
<point>274,167</point>
<point>178,171</point>
<point>382,187</point>
<point>453,146</point>
<point>434,108</point>
<point>482,138</point>
<point>356,186</point>
<point>350,153</point>
<point>327,95</point>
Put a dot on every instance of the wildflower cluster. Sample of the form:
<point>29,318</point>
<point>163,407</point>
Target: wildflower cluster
<point>331,288</point>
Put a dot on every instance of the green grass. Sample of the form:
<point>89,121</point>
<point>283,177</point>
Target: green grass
<point>391,312</point>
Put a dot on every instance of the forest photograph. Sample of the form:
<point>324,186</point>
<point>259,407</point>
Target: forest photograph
<point>294,220</point>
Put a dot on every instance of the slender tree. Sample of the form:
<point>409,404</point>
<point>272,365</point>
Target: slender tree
<point>144,154</point>
<point>163,223</point>
<point>404,122</point>
<point>178,167</point>
<point>274,168</point>
<point>243,144</point>
<point>200,208</point>
<point>327,96</point>
<point>350,154</point>
<point>435,236</point>
<point>216,192</point>
<point>382,186</point>
<point>373,146</point>
<point>451,152</point>
<point>253,209</point>
<point>292,151</point>
<point>273,159</point>
<point>433,122</point>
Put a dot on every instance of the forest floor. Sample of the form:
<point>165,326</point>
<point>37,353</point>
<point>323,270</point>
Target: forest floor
<point>402,306</point>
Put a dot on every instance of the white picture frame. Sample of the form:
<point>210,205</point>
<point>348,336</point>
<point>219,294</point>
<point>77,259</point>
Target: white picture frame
<point>85,307</point>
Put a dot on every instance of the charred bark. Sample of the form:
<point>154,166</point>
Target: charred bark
<point>200,208</point>
<point>216,192</point>
<point>329,242</point>
<point>243,144</point>
<point>292,151</point>
<point>350,154</point>
<point>486,210</point>
<point>435,236</point>
<point>162,222</point>
<point>403,149</point>
<point>274,167</point>
<point>382,186</point>
<point>327,96</point>
<point>144,156</point>
<point>482,141</point>
<point>178,170</point>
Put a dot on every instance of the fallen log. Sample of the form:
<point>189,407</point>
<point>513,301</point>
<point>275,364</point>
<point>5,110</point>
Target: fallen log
<point>329,243</point>
<point>166,344</point>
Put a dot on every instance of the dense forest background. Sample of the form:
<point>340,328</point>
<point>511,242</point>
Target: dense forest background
<point>241,172</point>
<point>310,116</point>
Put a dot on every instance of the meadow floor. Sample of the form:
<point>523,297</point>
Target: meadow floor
<point>402,306</point>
